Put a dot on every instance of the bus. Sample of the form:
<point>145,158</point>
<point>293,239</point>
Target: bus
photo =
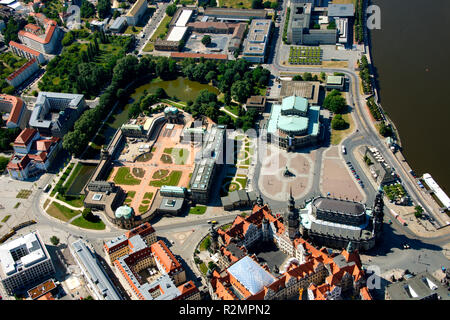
<point>47,187</point>
<point>343,150</point>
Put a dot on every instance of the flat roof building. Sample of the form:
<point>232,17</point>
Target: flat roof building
<point>341,10</point>
<point>55,113</point>
<point>305,89</point>
<point>422,286</point>
<point>24,261</point>
<point>101,285</point>
<point>335,82</point>
<point>257,40</point>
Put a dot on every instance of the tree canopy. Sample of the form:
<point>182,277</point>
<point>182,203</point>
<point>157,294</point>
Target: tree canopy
<point>335,102</point>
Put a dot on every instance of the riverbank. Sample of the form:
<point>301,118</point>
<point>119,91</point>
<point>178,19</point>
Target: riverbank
<point>399,156</point>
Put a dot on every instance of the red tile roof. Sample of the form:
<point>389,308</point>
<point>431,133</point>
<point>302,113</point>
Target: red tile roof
<point>25,137</point>
<point>24,48</point>
<point>18,165</point>
<point>143,230</point>
<point>21,69</point>
<point>165,257</point>
<point>187,289</point>
<point>16,110</point>
<point>49,30</point>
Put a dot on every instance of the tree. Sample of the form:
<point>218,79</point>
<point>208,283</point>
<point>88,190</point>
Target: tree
<point>335,102</point>
<point>257,4</point>
<point>323,76</point>
<point>240,90</point>
<point>338,123</point>
<point>332,25</point>
<point>87,9</point>
<point>170,10</point>
<point>103,8</point>
<point>385,131</point>
<point>307,76</point>
<point>54,240</point>
<point>418,211</point>
<point>74,142</point>
<point>206,40</point>
<point>87,215</point>
<point>297,78</point>
<point>3,163</point>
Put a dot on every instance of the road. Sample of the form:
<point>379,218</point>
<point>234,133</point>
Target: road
<point>151,26</point>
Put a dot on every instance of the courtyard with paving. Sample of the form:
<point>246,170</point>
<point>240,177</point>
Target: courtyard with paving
<point>168,162</point>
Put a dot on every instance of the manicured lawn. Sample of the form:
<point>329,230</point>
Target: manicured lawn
<point>6,218</point>
<point>203,268</point>
<point>205,243</point>
<point>129,30</point>
<point>338,135</point>
<point>180,155</point>
<point>17,205</point>
<point>142,208</point>
<point>243,182</point>
<point>168,150</point>
<point>74,174</point>
<point>123,176</point>
<point>83,223</point>
<point>161,28</point>
<point>197,210</point>
<point>234,109</point>
<point>160,174</point>
<point>72,200</point>
<point>171,180</point>
<point>61,212</point>
<point>148,195</point>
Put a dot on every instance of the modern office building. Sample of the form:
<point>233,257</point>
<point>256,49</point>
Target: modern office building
<point>24,262</point>
<point>22,74</point>
<point>17,110</point>
<point>255,46</point>
<point>33,154</point>
<point>136,12</point>
<point>299,31</point>
<point>293,123</point>
<point>98,281</point>
<point>23,51</point>
<point>55,113</point>
<point>208,163</point>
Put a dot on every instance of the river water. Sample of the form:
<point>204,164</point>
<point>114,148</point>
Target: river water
<point>411,54</point>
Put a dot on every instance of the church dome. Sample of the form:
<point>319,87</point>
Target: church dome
<point>124,211</point>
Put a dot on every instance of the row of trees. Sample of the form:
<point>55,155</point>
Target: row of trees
<point>259,4</point>
<point>85,127</point>
<point>364,73</point>
<point>359,21</point>
<point>7,136</point>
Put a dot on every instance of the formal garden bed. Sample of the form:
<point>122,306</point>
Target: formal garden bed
<point>123,176</point>
<point>171,180</point>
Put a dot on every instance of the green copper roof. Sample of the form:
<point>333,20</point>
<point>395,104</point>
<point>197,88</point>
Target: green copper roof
<point>124,211</point>
<point>171,110</point>
<point>292,124</point>
<point>293,102</point>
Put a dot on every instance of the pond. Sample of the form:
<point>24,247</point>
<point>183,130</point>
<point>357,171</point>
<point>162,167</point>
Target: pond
<point>182,88</point>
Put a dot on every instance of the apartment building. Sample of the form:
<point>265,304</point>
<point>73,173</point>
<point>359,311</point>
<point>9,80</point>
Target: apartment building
<point>44,41</point>
<point>22,74</point>
<point>257,40</point>
<point>23,51</point>
<point>18,112</point>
